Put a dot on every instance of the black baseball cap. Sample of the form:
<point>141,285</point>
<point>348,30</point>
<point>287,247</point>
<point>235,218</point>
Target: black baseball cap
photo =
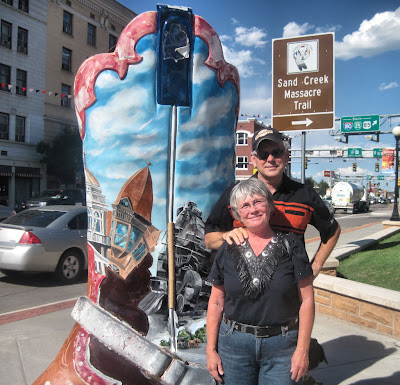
<point>267,133</point>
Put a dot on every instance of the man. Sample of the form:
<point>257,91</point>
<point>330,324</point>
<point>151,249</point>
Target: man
<point>296,205</point>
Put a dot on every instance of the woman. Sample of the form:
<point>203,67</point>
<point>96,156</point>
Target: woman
<point>261,308</point>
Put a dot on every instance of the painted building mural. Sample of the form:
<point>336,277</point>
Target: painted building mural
<point>157,118</point>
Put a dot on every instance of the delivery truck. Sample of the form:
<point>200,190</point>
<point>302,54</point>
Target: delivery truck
<point>351,197</point>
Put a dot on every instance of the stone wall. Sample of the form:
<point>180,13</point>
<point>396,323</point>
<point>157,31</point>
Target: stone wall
<point>361,304</point>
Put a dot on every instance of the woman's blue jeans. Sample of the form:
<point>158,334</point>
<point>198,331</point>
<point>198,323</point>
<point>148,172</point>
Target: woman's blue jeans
<point>250,360</point>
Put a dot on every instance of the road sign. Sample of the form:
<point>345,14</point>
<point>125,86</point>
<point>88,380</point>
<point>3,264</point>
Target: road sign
<point>354,152</point>
<point>377,152</point>
<point>367,123</point>
<point>303,82</point>
<point>369,177</point>
<point>381,177</point>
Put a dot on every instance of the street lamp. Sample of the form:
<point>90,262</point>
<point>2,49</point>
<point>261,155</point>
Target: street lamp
<point>395,214</point>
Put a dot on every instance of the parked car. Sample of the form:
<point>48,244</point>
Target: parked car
<point>328,203</point>
<point>5,212</point>
<point>55,197</point>
<point>45,239</point>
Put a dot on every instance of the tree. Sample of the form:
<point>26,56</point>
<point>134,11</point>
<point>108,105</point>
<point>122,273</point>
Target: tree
<point>310,182</point>
<point>63,155</point>
<point>323,186</point>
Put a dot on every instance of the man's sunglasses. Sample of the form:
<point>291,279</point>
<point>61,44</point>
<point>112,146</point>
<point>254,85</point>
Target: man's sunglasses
<point>278,153</point>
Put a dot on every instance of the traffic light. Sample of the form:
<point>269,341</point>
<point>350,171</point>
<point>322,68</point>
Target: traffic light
<point>354,166</point>
<point>376,167</point>
<point>305,163</point>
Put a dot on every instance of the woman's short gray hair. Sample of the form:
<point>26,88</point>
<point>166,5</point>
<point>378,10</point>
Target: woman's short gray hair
<point>249,187</point>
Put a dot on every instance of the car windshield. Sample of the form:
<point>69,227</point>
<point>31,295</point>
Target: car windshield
<point>36,218</point>
<point>50,194</point>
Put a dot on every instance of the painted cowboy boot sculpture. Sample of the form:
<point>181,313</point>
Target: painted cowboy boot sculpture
<point>165,98</point>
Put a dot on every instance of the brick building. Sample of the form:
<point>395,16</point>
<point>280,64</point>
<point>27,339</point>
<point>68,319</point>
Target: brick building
<point>244,136</point>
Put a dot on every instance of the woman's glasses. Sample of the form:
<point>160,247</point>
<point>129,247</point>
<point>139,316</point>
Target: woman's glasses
<point>246,207</point>
<point>278,153</point>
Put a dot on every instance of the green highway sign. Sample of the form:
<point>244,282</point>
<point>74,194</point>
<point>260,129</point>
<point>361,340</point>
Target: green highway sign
<point>381,177</point>
<point>367,123</point>
<point>369,177</point>
<point>354,152</point>
<point>377,153</point>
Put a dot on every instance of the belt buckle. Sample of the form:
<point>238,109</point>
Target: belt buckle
<point>261,332</point>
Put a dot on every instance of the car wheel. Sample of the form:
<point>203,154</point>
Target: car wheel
<point>70,267</point>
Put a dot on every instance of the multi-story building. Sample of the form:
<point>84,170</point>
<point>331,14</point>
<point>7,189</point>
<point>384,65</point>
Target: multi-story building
<point>42,45</point>
<point>22,79</point>
<point>244,135</point>
<point>76,30</point>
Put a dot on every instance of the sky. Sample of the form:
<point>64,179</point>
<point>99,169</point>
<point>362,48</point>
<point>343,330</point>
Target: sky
<point>367,57</point>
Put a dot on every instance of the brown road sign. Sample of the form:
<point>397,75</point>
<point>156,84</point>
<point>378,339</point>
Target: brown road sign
<point>303,83</point>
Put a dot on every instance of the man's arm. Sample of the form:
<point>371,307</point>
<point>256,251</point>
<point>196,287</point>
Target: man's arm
<point>215,239</point>
<point>324,251</point>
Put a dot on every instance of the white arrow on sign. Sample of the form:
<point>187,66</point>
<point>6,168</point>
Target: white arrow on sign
<point>307,122</point>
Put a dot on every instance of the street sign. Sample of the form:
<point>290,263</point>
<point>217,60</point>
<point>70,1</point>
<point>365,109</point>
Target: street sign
<point>381,177</point>
<point>328,173</point>
<point>377,152</point>
<point>369,177</point>
<point>367,123</point>
<point>303,82</point>
<point>354,152</point>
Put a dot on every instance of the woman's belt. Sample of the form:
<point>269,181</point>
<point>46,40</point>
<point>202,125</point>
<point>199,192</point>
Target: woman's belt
<point>261,331</point>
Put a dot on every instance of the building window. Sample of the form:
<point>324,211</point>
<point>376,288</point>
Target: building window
<point>65,95</point>
<point>22,43</point>
<point>23,5</point>
<point>21,82</point>
<point>241,139</point>
<point>6,33</point>
<point>112,42</point>
<point>66,59</point>
<point>9,2</point>
<point>241,162</point>
<point>5,72</point>
<point>67,22</point>
<point>91,34</point>
<point>4,121</point>
<point>19,129</point>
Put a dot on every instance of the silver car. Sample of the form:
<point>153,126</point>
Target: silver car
<point>5,212</point>
<point>46,239</point>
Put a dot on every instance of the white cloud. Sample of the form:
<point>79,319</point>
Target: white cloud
<point>257,101</point>
<point>294,29</point>
<point>210,112</point>
<point>124,109</point>
<point>191,148</point>
<point>225,37</point>
<point>384,86</point>
<point>234,21</point>
<point>250,37</point>
<point>242,60</point>
<point>201,72</point>
<point>375,36</point>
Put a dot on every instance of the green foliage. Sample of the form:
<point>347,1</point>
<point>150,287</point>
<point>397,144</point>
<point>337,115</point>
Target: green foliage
<point>378,265</point>
<point>310,182</point>
<point>164,343</point>
<point>63,155</point>
<point>185,334</point>
<point>322,187</point>
<point>201,334</point>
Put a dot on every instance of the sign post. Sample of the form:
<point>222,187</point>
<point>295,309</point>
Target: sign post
<point>303,83</point>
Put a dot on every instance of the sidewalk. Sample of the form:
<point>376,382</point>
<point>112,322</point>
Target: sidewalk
<point>356,356</point>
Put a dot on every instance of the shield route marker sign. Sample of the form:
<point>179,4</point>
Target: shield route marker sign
<point>303,82</point>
